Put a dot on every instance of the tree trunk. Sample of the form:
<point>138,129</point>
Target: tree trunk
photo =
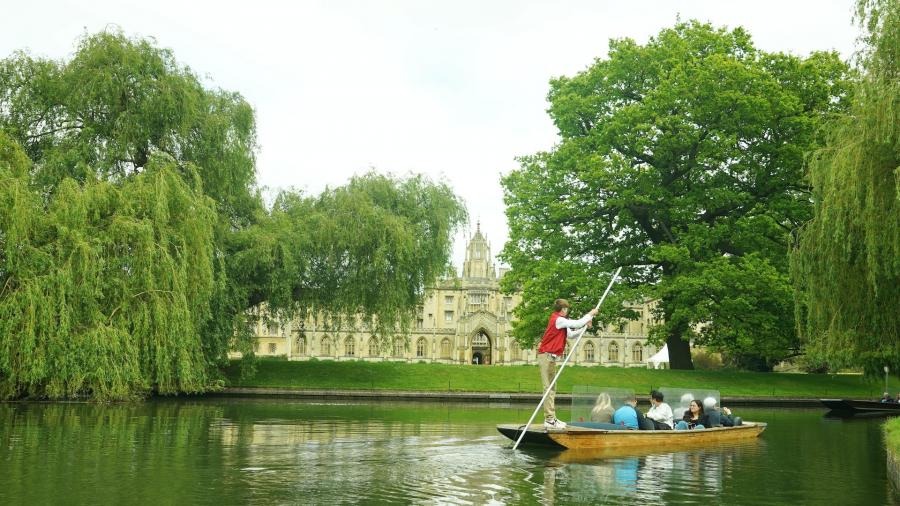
<point>679,352</point>
<point>679,349</point>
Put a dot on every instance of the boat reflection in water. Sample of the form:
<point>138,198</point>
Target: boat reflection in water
<point>850,416</point>
<point>604,476</point>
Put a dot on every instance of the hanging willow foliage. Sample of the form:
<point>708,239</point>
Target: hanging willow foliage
<point>135,246</point>
<point>365,250</point>
<point>104,286</point>
<point>847,262</point>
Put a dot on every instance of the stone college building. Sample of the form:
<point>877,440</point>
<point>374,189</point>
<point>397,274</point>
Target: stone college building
<point>463,320</point>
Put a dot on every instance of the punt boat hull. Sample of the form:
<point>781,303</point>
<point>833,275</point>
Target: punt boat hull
<point>582,438</point>
<point>857,406</point>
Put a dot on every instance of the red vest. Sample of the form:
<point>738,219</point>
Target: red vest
<point>554,340</point>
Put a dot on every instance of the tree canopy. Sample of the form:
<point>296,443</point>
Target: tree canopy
<point>134,242</point>
<point>683,161</point>
<point>118,101</point>
<point>847,258</point>
<point>105,286</point>
<point>366,249</point>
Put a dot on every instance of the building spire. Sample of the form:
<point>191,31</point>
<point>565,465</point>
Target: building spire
<point>478,262</point>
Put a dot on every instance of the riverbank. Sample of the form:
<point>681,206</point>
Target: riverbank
<point>892,435</point>
<point>892,445</point>
<point>399,379</point>
<point>479,397</point>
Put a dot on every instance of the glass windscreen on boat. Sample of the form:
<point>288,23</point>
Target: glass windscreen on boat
<point>597,404</point>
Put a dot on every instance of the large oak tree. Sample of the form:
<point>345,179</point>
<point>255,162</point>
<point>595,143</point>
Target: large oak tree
<point>681,159</point>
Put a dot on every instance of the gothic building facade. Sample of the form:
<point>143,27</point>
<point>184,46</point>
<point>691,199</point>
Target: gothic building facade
<point>463,320</point>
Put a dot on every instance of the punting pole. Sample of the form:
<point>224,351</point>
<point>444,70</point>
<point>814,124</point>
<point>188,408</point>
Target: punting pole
<point>566,361</point>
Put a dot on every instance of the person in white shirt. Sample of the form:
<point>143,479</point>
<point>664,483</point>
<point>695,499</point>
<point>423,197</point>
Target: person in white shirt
<point>660,413</point>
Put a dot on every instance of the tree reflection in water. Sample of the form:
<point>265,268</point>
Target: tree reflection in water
<point>227,451</point>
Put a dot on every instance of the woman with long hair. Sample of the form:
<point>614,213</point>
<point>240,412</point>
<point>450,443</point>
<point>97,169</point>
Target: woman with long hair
<point>603,409</point>
<point>695,418</point>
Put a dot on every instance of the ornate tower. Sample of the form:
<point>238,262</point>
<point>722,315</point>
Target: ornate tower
<point>478,262</point>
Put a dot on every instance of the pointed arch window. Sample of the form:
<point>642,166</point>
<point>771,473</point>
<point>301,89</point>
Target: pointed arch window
<point>588,352</point>
<point>421,345</point>
<point>613,352</point>
<point>301,346</point>
<point>399,347</point>
<point>637,353</point>
<point>349,347</point>
<point>445,348</point>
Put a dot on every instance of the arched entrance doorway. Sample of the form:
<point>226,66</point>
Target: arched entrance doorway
<point>481,349</point>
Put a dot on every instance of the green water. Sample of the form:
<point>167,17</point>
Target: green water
<point>223,451</point>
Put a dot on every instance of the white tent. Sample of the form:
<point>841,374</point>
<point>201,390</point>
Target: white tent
<point>661,357</point>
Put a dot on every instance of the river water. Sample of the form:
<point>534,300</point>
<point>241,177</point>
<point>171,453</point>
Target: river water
<point>274,451</point>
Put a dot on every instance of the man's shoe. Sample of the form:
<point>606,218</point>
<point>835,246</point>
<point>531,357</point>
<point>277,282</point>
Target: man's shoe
<point>554,424</point>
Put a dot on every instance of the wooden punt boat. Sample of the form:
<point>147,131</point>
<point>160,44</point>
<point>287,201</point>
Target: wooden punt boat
<point>583,438</point>
<point>855,406</point>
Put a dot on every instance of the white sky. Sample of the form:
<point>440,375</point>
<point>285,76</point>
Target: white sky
<point>453,89</point>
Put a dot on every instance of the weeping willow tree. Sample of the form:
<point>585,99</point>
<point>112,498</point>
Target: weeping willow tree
<point>357,254</point>
<point>104,286</point>
<point>134,244</point>
<point>846,263</point>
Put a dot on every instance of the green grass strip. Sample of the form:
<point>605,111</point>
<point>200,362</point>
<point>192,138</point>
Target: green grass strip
<point>360,375</point>
<point>892,434</point>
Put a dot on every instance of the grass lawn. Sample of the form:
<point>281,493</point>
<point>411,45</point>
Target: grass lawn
<point>329,375</point>
<point>892,434</point>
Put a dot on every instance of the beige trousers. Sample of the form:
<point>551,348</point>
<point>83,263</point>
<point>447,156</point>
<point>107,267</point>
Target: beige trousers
<point>548,371</point>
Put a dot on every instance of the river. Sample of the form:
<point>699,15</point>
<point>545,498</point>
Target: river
<point>274,451</point>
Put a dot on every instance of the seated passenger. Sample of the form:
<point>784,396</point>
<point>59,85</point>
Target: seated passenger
<point>886,397</point>
<point>683,405</point>
<point>660,414</point>
<point>695,419</point>
<point>715,415</point>
<point>897,400</point>
<point>628,415</point>
<point>603,409</point>
<point>728,419</point>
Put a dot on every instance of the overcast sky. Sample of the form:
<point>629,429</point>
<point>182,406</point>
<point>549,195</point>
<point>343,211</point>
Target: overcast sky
<point>453,89</point>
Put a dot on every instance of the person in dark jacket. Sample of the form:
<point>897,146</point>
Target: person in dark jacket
<point>715,415</point>
<point>695,418</point>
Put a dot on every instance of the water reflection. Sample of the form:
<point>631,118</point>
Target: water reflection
<point>277,452</point>
<point>601,476</point>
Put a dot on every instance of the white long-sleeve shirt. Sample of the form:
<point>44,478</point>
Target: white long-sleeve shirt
<point>574,328</point>
<point>662,412</point>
